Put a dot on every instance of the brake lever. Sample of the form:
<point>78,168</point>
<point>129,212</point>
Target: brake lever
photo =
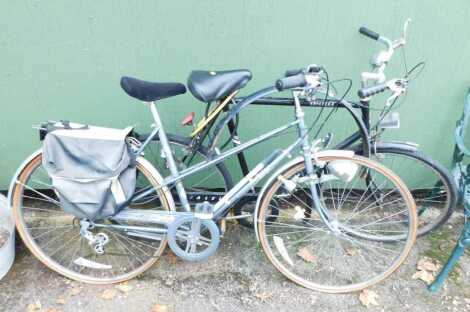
<point>402,41</point>
<point>398,87</point>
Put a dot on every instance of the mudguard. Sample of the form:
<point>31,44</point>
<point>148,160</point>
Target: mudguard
<point>295,161</point>
<point>408,146</point>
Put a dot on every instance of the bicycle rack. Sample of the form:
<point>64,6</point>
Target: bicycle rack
<point>461,174</point>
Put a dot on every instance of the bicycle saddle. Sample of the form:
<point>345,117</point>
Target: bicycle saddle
<point>150,91</point>
<point>208,86</point>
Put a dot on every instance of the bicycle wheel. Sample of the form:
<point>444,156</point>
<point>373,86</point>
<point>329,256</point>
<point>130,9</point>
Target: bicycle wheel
<point>207,185</point>
<point>53,235</point>
<point>364,243</point>
<point>431,185</point>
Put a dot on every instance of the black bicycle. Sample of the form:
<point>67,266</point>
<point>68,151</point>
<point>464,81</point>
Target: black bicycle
<point>429,182</point>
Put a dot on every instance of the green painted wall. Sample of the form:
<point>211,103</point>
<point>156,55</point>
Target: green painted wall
<point>63,59</point>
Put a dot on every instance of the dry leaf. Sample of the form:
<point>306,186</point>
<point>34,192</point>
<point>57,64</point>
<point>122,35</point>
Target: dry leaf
<point>171,257</point>
<point>305,254</point>
<point>368,297</point>
<point>263,296</point>
<point>424,275</point>
<point>160,308</point>
<point>124,287</point>
<point>75,291</point>
<point>109,294</point>
<point>426,264</point>
<point>34,306</point>
<point>61,301</point>
<point>352,252</point>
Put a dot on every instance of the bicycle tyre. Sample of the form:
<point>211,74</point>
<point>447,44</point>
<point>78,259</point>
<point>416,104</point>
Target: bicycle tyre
<point>443,176</point>
<point>329,277</point>
<point>43,212</point>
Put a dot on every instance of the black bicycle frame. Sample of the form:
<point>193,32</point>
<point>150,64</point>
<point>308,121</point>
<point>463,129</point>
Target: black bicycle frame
<point>362,121</point>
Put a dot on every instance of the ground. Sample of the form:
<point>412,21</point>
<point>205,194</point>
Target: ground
<point>238,278</point>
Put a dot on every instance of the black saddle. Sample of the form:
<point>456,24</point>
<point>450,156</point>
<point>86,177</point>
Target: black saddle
<point>208,86</point>
<point>151,91</point>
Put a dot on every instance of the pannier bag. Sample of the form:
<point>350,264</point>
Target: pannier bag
<point>92,168</point>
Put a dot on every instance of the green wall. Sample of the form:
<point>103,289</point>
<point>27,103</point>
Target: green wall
<point>63,59</point>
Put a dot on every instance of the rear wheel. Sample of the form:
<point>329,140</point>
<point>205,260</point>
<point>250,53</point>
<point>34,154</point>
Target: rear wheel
<point>431,185</point>
<point>365,240</point>
<point>53,235</point>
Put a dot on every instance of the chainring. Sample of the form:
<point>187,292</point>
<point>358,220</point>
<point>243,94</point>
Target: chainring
<point>192,238</point>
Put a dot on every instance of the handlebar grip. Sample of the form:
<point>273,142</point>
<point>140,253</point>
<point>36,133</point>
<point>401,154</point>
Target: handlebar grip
<point>292,72</point>
<point>366,92</point>
<point>369,33</point>
<point>291,82</point>
<point>311,69</point>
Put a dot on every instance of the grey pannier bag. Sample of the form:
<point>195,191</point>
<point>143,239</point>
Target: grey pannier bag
<point>92,168</point>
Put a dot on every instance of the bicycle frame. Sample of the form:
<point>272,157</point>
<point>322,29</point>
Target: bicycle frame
<point>255,175</point>
<point>361,134</point>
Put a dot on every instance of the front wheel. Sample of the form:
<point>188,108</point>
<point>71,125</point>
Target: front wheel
<point>364,240</point>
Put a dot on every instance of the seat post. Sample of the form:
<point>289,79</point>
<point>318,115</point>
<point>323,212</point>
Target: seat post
<point>169,156</point>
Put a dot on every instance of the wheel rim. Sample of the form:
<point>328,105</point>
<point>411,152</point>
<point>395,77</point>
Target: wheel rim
<point>305,251</point>
<point>56,241</point>
<point>429,188</point>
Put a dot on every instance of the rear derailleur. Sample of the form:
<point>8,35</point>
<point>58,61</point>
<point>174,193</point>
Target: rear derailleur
<point>98,241</point>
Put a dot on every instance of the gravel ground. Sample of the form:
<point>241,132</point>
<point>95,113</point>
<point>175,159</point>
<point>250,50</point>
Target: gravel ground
<point>238,278</point>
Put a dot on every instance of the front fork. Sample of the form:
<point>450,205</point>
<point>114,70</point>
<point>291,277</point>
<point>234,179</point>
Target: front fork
<point>309,165</point>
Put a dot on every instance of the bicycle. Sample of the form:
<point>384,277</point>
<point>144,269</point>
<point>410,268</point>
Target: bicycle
<point>363,231</point>
<point>434,192</point>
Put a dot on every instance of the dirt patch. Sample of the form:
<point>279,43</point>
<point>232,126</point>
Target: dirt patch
<point>441,244</point>
<point>237,278</point>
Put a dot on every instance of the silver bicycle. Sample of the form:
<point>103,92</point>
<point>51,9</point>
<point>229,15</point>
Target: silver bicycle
<point>327,219</point>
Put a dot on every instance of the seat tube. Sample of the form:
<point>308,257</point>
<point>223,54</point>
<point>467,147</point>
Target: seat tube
<point>169,157</point>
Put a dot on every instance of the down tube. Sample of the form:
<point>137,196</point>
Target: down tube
<point>253,177</point>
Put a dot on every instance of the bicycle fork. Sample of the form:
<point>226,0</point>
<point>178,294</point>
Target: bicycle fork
<point>309,167</point>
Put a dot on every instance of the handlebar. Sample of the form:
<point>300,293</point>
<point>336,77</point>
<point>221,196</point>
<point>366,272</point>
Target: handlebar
<point>291,82</point>
<point>298,78</point>
<point>310,69</point>
<point>369,91</point>
<point>369,33</point>
<point>381,59</point>
<point>292,72</point>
